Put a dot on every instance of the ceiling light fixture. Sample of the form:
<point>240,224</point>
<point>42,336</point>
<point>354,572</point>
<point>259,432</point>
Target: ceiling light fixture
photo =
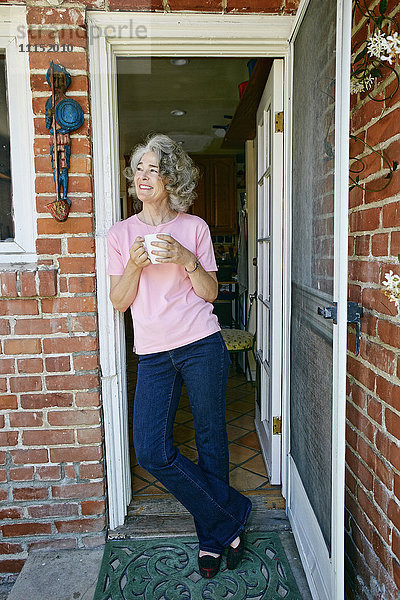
<point>179,62</point>
<point>178,113</point>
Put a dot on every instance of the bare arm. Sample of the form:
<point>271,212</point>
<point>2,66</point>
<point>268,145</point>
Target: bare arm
<point>123,288</point>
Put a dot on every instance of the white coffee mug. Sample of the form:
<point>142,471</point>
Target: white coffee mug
<point>152,237</point>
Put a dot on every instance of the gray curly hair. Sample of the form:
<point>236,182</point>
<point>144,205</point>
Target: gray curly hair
<point>178,170</point>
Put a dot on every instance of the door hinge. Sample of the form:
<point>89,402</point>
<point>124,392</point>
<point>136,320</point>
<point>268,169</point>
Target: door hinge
<point>277,425</point>
<point>279,122</point>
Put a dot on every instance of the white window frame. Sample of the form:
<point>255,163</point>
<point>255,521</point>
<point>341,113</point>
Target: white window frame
<point>13,32</point>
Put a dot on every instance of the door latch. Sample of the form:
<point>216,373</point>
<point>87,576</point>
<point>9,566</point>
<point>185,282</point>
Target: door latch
<point>354,314</point>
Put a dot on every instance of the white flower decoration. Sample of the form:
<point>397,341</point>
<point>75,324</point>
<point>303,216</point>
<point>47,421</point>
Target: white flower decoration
<point>392,288</point>
<point>361,85</point>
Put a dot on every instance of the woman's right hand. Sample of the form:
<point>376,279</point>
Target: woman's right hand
<point>138,254</point>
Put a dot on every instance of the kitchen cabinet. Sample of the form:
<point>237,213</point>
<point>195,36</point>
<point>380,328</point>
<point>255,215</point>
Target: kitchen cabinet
<point>216,193</point>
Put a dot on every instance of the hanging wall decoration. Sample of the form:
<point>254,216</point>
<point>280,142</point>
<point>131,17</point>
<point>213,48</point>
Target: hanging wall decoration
<point>62,116</point>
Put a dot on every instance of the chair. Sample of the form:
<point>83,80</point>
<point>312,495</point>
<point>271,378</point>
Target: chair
<point>241,340</point>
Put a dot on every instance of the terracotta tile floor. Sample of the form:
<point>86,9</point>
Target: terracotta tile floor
<point>247,469</point>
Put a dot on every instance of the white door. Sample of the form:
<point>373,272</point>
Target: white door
<point>269,269</point>
<point>320,99</point>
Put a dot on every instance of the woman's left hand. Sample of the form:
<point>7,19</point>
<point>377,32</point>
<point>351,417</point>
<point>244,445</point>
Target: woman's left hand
<point>171,251</point>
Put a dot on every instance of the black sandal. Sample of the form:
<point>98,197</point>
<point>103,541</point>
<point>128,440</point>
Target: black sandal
<point>235,555</point>
<point>209,565</point>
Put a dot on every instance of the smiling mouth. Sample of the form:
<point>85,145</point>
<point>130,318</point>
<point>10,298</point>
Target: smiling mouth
<point>145,187</point>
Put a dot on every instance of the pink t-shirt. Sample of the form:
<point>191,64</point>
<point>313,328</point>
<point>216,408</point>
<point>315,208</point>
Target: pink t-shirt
<point>166,313</point>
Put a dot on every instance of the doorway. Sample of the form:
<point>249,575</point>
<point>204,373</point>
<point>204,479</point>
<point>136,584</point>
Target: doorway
<point>205,105</point>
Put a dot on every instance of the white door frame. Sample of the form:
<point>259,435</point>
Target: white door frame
<point>325,574</point>
<point>113,34</point>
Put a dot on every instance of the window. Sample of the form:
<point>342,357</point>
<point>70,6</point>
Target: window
<point>17,174</point>
<point>6,217</point>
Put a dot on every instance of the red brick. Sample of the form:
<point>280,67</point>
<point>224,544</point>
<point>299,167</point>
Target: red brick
<point>47,283</point>
<point>360,372</point>
<point>19,306</point>
<point>389,392</point>
<point>360,422</point>
<point>70,344</point>
<point>7,366</point>
<point>81,285</point>
<point>87,399</point>
<point>10,513</point>
<point>361,117</point>
<point>381,190</point>
<point>7,548</point>
<point>75,37</point>
<point>354,293</point>
<point>388,449</point>
<point>76,183</point>
<point>81,245</point>
<point>71,225</point>
<point>30,493</point>
<point>57,544</point>
<point>350,481</point>
<point>395,243</point>
<point>47,437</point>
<point>84,362</point>
<point>93,507</point>
<point>356,196</point>
<point>90,435</point>
<point>365,220</point>
<point>389,333</point>
<point>78,490</point>
<point>8,402</point>
<point>69,305</point>
<point>20,529</point>
<point>48,473</point>
<point>91,471</point>
<point>362,245</point>
<point>46,400</point>
<point>73,417</point>
<point>240,6</point>
<point>83,323</point>
<point>26,419</point>
<point>358,396</point>
<point>22,346</point>
<point>372,513</point>
<point>48,245</point>
<point>392,421</point>
<point>368,324</point>
<point>385,128</point>
<point>25,384</point>
<point>30,365</point>
<point>394,513</point>
<point>5,328</point>
<point>364,271</point>
<point>2,460</point>
<point>374,299</point>
<point>31,456</point>
<point>12,565</point>
<point>78,264</point>
<point>136,5</point>
<point>81,525</point>
<point>396,543</point>
<point>41,36</point>
<point>70,60</point>
<point>41,326</point>
<point>374,409</point>
<point>21,474</point>
<point>8,438</point>
<point>59,509</point>
<point>374,462</point>
<point>72,382</point>
<point>380,244</point>
<point>391,214</point>
<point>8,284</point>
<point>377,355</point>
<point>359,470</point>
<point>70,454</point>
<point>28,283</point>
<point>58,363</point>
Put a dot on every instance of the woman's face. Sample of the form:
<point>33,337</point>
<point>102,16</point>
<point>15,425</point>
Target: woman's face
<point>149,184</point>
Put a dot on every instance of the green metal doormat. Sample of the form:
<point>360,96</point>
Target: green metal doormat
<point>166,569</point>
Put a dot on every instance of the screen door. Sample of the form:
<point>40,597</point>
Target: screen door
<point>318,281</point>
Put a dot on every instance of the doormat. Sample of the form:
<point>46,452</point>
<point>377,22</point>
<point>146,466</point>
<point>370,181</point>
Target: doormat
<point>166,569</point>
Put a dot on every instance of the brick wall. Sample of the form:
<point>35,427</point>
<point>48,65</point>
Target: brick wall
<point>373,386</point>
<point>52,488</point>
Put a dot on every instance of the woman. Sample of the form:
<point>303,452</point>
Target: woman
<point>178,339</point>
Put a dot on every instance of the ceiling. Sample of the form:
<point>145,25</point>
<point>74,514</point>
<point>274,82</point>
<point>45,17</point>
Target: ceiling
<point>206,88</point>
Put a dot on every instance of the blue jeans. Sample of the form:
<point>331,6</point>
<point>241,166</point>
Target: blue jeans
<point>220,512</point>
